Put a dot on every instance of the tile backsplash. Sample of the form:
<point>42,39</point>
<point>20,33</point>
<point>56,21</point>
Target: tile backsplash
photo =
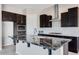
<point>56,27</point>
<point>63,30</point>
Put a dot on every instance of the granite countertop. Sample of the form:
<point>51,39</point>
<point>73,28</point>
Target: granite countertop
<point>47,42</point>
<point>60,35</point>
<point>72,35</point>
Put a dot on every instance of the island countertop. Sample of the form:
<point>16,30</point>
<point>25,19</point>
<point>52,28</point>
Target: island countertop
<point>47,42</point>
<point>73,45</point>
<point>60,35</point>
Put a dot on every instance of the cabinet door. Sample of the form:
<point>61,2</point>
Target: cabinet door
<point>73,45</point>
<point>73,16</point>
<point>44,21</point>
<point>64,20</point>
<point>3,16</point>
<point>49,22</point>
<point>11,16</point>
<point>21,19</point>
<point>8,16</point>
<point>18,19</point>
<point>14,17</point>
<point>41,21</point>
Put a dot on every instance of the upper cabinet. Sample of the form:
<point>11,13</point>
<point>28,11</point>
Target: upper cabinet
<point>18,18</point>
<point>45,20</point>
<point>8,16</point>
<point>73,16</point>
<point>21,19</point>
<point>70,18</point>
<point>64,19</point>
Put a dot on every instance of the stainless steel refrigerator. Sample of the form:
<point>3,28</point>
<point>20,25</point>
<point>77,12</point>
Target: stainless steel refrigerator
<point>7,30</point>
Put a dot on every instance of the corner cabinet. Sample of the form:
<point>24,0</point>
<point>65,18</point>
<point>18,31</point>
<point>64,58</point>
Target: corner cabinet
<point>45,20</point>
<point>70,18</point>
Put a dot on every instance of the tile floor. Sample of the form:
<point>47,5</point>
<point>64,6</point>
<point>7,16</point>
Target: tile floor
<point>11,50</point>
<point>8,50</point>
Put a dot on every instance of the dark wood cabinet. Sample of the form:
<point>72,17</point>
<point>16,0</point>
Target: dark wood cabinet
<point>70,18</point>
<point>64,19</point>
<point>49,22</point>
<point>19,24</point>
<point>18,18</point>
<point>73,45</point>
<point>24,19</point>
<point>4,16</point>
<point>45,20</point>
<point>21,19</point>
<point>73,16</point>
<point>8,16</point>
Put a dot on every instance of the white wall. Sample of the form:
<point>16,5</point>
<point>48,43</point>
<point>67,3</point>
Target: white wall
<point>0,28</point>
<point>31,23</point>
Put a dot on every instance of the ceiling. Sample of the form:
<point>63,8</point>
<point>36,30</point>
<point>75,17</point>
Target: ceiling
<point>29,7</point>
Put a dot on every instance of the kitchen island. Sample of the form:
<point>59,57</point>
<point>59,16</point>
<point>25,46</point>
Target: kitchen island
<point>42,45</point>
<point>73,46</point>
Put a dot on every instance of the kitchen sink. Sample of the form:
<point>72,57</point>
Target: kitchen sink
<point>55,33</point>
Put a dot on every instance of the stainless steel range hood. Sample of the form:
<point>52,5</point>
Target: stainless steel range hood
<point>56,13</point>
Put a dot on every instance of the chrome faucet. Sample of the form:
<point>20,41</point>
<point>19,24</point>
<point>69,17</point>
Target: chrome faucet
<point>35,30</point>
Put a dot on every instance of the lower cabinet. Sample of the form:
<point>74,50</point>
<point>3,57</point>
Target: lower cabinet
<point>74,45</point>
